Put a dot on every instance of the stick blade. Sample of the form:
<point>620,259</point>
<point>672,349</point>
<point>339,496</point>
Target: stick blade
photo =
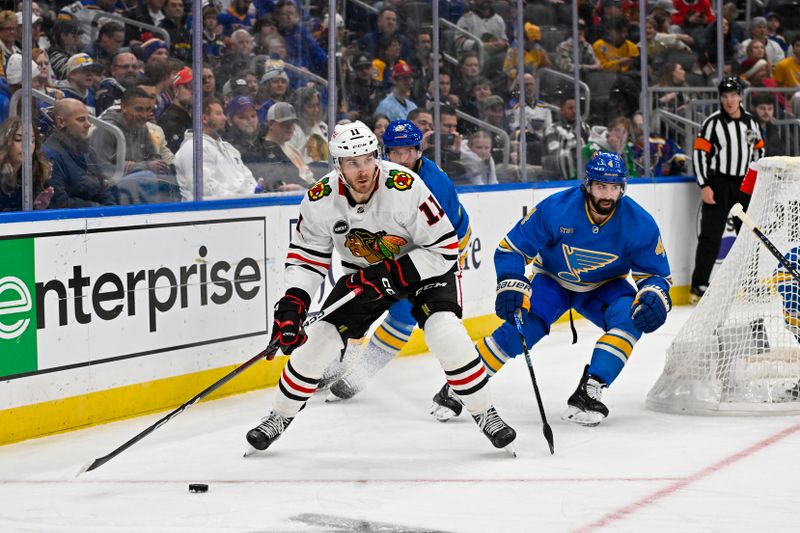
<point>91,465</point>
<point>548,435</point>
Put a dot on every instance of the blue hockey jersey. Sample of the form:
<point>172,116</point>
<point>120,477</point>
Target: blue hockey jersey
<point>562,241</point>
<point>444,191</point>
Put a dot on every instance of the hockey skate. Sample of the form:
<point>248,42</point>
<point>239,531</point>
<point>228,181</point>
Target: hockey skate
<point>496,430</point>
<point>585,406</point>
<point>268,431</point>
<point>446,404</point>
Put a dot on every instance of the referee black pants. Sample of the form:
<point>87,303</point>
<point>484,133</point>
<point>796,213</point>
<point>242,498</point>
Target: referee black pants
<point>712,224</point>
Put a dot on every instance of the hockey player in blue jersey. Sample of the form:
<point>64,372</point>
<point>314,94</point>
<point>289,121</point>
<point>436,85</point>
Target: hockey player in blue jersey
<point>582,244</point>
<point>401,141</point>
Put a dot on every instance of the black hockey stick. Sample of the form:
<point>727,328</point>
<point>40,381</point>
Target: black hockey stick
<point>269,352</point>
<point>738,212</point>
<point>548,432</point>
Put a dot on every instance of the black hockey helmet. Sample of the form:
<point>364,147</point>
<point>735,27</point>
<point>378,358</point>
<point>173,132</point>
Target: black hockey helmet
<point>730,84</point>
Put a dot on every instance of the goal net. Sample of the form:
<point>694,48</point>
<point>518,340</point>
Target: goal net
<point>739,351</point>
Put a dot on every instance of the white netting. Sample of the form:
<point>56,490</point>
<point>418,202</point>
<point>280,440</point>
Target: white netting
<point>739,352</point>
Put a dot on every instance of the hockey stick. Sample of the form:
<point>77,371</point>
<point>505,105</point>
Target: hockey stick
<point>269,352</point>
<point>548,432</point>
<point>738,212</point>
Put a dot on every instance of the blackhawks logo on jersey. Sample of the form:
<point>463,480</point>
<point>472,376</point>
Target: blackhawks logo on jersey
<point>399,180</point>
<point>374,247</point>
<point>319,190</point>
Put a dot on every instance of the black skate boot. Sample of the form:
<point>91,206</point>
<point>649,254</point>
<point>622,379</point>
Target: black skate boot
<point>498,432</point>
<point>584,406</point>
<point>446,404</point>
<point>268,431</point>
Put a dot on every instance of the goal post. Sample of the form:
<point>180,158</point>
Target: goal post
<point>739,351</point>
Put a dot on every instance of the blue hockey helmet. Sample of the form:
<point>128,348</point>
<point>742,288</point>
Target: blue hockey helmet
<point>606,167</point>
<point>401,133</point>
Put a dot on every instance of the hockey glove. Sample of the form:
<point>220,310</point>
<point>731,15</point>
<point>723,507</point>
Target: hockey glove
<point>290,312</point>
<point>650,308</point>
<point>387,278</point>
<point>513,292</point>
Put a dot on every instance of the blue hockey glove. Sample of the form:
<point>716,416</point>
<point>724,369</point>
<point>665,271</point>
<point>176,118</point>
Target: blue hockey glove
<point>513,292</point>
<point>650,308</point>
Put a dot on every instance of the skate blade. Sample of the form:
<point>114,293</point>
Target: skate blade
<point>442,413</point>
<point>250,451</point>
<point>332,398</point>
<point>582,418</point>
<point>511,450</point>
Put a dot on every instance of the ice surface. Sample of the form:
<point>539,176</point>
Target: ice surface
<point>380,463</point>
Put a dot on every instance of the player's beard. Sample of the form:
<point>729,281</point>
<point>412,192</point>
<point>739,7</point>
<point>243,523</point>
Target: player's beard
<point>602,207</point>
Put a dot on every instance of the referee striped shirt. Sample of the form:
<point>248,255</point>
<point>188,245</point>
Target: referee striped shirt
<point>726,146</point>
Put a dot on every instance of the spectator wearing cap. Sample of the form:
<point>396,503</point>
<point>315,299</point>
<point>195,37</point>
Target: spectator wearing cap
<point>224,173</point>
<point>65,44</point>
<point>124,72</point>
<point>387,27</point>
<point>109,40</point>
<point>141,155</point>
<point>493,111</point>
<point>535,56</point>
<point>176,22</point>
<point>397,104</point>
<point>363,91</point>
<point>12,82</point>
<point>758,32</point>
<point>237,16</point>
<point>308,106</point>
<point>38,38</point>
<point>82,72</point>
<point>154,50</point>
<point>213,42</point>
<point>302,49</point>
<point>76,177</point>
<point>177,117</point>
<point>614,51</point>
<point>274,87</point>
<point>9,31</point>
<point>774,31</point>
<point>150,12</point>
<point>235,87</point>
<point>586,57</point>
<point>287,169</point>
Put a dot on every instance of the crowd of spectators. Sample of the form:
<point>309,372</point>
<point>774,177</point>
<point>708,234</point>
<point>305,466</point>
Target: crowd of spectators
<point>265,91</point>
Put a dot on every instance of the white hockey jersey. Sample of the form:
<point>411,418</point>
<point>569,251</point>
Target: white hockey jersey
<point>401,218</point>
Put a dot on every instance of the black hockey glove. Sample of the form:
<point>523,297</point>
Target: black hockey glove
<point>387,278</point>
<point>290,312</point>
<point>649,309</point>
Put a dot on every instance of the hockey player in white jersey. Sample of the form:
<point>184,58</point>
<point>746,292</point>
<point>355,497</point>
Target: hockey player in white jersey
<point>395,242</point>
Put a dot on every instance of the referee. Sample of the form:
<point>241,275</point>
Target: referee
<point>729,141</point>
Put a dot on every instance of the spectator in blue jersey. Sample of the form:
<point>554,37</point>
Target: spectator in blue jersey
<point>237,16</point>
<point>76,177</point>
<point>81,74</point>
<point>213,43</point>
<point>581,247</point>
<point>402,145</point>
<point>302,49</point>
<point>397,104</point>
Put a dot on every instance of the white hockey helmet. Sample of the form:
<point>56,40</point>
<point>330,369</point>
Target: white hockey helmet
<point>350,140</point>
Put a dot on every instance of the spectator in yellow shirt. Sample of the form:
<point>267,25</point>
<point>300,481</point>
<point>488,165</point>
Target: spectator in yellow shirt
<point>787,71</point>
<point>615,52</point>
<point>535,55</point>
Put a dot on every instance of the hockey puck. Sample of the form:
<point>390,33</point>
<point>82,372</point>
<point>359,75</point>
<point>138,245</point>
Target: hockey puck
<point>198,487</point>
